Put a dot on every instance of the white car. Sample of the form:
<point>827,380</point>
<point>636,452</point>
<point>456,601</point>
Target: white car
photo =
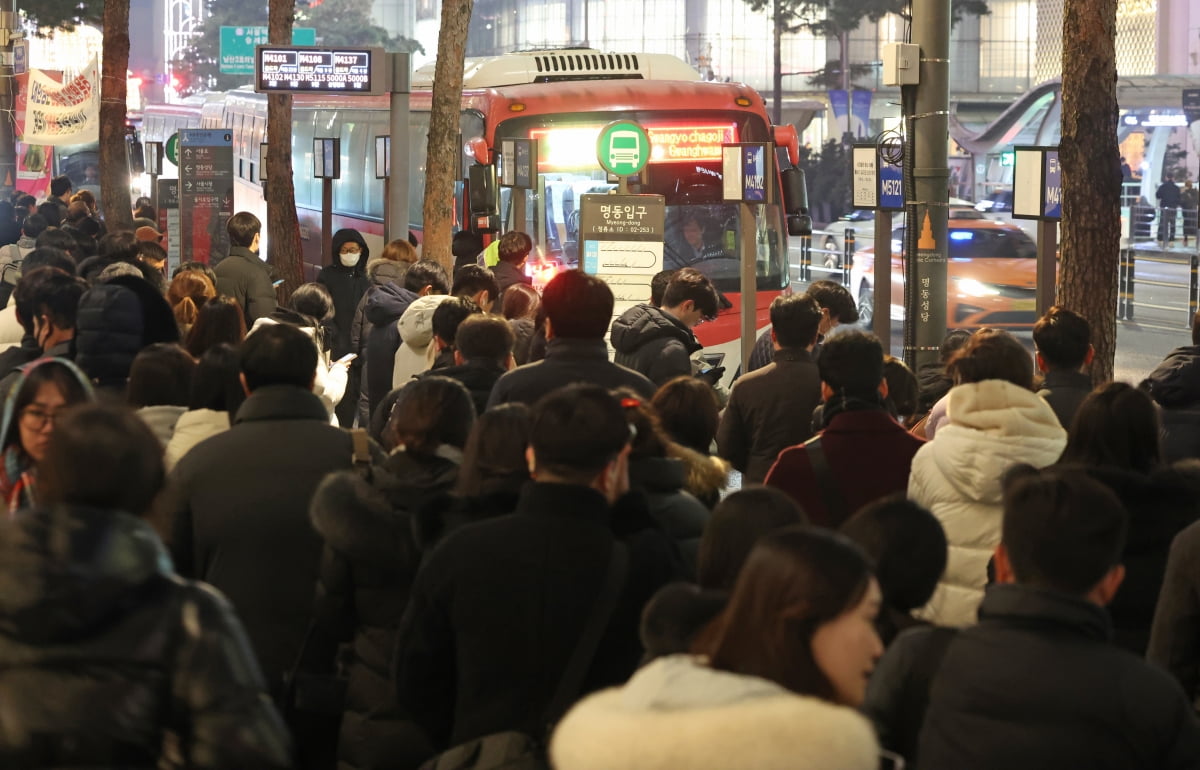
<point>832,239</point>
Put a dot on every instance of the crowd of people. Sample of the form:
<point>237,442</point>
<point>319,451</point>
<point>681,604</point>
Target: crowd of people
<point>409,519</point>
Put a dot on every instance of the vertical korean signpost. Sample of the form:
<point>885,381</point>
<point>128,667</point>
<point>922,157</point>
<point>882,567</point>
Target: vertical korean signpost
<point>1037,194</point>
<point>518,171</point>
<point>205,193</point>
<point>746,170</point>
<point>878,184</point>
<point>622,234</point>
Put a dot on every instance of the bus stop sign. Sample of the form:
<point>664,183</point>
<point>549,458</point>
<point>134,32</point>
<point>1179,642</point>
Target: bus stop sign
<point>623,148</point>
<point>172,148</point>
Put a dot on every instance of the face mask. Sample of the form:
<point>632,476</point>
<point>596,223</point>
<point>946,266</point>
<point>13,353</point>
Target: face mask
<point>350,258</point>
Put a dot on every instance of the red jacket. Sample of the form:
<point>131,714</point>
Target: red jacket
<point>869,453</point>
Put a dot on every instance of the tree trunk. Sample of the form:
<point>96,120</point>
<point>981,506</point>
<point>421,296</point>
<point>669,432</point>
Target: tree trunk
<point>443,163</point>
<point>777,50</point>
<point>114,160</point>
<point>1091,174</point>
<point>283,228</point>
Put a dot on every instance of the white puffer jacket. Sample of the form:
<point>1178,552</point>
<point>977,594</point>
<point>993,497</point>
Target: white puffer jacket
<point>416,351</point>
<point>992,426</point>
<point>678,713</point>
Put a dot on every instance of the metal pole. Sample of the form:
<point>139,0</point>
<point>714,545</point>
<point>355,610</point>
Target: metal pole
<point>1047,265</point>
<point>749,283</point>
<point>326,217</point>
<point>398,219</point>
<point>9,30</point>
<point>927,311</point>
<point>881,322</point>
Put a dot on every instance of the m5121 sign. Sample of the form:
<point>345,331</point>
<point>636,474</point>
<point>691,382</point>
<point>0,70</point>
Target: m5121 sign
<point>307,69</point>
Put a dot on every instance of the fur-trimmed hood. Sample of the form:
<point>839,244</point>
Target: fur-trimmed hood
<point>705,476</point>
<point>679,713</point>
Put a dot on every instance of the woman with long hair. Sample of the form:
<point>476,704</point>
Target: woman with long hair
<point>522,307</point>
<point>44,389</point>
<point>219,321</point>
<point>370,558</point>
<point>214,399</point>
<point>109,658</point>
<point>774,682</point>
<point>189,291</point>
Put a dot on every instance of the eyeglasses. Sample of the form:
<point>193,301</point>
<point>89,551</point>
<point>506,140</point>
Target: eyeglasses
<point>35,418</point>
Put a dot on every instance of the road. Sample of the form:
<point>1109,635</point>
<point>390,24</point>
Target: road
<point>1160,322</point>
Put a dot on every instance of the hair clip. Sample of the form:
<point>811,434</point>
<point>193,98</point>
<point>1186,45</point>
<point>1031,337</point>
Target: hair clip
<point>630,403</point>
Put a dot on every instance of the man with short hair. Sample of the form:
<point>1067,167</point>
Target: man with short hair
<point>578,309</point>
<point>771,409</point>
<point>477,284</point>
<point>482,354</point>
<point>1038,682</point>
<point>24,307</point>
<point>243,275</point>
<point>498,607</point>
<point>658,286</point>
<point>1175,387</point>
<point>59,197</point>
<point>838,313</point>
<point>513,251</point>
<point>446,318</point>
<point>862,455</point>
<point>658,342</point>
<point>238,501</point>
<point>1063,342</point>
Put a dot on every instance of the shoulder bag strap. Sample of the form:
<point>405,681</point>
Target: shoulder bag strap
<point>827,484</point>
<point>597,622</point>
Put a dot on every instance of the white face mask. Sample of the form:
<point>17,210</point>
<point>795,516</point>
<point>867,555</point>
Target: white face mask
<point>350,258</point>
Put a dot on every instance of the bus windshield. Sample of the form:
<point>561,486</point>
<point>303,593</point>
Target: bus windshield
<point>702,230</point>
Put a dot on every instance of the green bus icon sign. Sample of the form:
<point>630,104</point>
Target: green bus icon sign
<point>623,148</point>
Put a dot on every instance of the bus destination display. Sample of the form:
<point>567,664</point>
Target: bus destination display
<point>314,70</point>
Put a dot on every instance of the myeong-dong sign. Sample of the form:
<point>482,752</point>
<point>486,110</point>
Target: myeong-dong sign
<point>573,147</point>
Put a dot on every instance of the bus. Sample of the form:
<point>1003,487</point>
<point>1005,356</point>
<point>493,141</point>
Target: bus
<point>561,98</point>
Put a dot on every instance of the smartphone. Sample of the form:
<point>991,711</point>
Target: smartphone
<point>346,358</point>
<point>278,283</point>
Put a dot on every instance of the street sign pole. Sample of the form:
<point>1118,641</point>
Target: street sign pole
<point>398,219</point>
<point>1037,194</point>
<point>746,171</point>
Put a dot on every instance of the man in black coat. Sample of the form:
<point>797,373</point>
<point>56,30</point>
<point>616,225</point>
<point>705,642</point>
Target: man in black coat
<point>771,409</point>
<point>482,354</point>
<point>1038,683</point>
<point>658,341</point>
<point>1175,387</point>
<point>1064,348</point>
<point>498,608</point>
<point>239,501</point>
<point>242,275</point>
<point>579,308</point>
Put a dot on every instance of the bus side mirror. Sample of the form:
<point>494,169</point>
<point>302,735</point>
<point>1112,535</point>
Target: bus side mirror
<point>795,191</point>
<point>136,156</point>
<point>485,210</point>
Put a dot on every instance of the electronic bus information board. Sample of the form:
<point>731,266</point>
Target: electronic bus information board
<point>306,69</point>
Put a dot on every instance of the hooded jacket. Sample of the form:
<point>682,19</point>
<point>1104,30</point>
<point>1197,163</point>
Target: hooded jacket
<point>651,341</point>
<point>116,320</point>
<point>384,306</point>
<point>103,649</point>
<point>992,426</point>
<point>17,472</point>
<point>379,273</point>
<point>676,510</point>
<point>347,285</point>
<point>193,427</point>
<point>416,352</point>
<point>677,713</point>
<point>1175,386</point>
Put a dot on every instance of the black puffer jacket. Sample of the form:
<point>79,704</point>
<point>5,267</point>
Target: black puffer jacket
<point>115,321</point>
<point>651,341</point>
<point>367,567</point>
<point>676,510</point>
<point>103,650</point>
<point>347,285</point>
<point>385,304</point>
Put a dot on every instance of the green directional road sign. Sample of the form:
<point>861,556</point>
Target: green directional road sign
<point>172,148</point>
<point>237,46</point>
<point>623,148</point>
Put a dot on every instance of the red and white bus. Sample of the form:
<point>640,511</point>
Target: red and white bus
<point>562,98</point>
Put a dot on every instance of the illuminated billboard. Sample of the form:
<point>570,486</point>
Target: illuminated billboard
<point>574,147</point>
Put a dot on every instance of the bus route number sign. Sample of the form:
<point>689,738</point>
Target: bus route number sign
<point>304,69</point>
<point>623,148</point>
